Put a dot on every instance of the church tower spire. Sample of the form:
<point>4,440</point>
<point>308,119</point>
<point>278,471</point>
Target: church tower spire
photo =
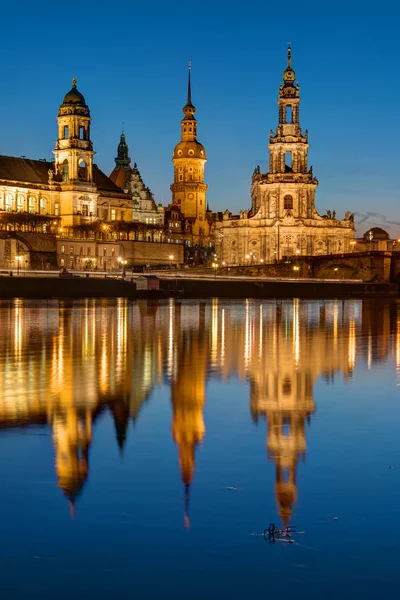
<point>189,158</point>
<point>290,185</point>
<point>122,159</point>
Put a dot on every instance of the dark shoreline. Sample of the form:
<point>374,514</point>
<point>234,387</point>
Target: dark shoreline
<point>46,287</point>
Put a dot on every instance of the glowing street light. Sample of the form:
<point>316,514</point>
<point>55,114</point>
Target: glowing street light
<point>18,259</point>
<point>171,258</point>
<point>353,243</point>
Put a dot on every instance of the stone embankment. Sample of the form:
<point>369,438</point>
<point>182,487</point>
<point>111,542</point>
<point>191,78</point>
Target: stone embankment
<point>82,287</point>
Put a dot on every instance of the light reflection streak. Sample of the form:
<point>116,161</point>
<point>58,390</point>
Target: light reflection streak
<point>110,354</point>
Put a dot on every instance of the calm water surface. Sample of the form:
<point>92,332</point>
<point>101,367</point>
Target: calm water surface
<point>142,443</point>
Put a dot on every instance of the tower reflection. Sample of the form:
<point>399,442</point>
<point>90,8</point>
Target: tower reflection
<point>64,364</point>
<point>188,388</point>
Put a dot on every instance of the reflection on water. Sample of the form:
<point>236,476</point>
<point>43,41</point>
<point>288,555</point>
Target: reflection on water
<point>62,364</point>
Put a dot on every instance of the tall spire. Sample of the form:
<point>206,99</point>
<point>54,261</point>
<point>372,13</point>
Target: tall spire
<point>189,99</point>
<point>289,75</point>
<point>189,109</point>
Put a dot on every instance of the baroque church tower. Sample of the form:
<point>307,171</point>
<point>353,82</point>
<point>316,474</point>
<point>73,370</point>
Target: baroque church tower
<point>290,184</point>
<point>74,159</point>
<point>283,220</point>
<point>189,158</point>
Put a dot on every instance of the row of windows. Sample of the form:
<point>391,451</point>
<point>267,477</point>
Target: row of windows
<point>32,206</point>
<point>172,241</point>
<point>88,252</point>
<point>82,133</point>
<point>82,170</point>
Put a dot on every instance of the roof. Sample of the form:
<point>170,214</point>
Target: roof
<point>26,170</point>
<point>74,97</point>
<point>120,176</point>
<point>104,183</point>
<point>377,233</point>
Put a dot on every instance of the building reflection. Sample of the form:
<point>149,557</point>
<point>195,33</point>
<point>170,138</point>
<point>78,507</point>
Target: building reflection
<point>188,387</point>
<point>65,364</point>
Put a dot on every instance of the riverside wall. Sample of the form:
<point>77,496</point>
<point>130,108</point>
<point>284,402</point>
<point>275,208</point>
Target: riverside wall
<point>47,287</point>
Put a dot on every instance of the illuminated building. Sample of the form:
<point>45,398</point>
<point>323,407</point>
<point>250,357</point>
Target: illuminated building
<point>189,190</point>
<point>144,208</point>
<point>71,196</point>
<point>283,220</point>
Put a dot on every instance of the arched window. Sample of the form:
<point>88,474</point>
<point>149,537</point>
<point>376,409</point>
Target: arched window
<point>288,162</point>
<point>82,170</point>
<point>42,206</point>
<point>31,204</point>
<point>65,170</point>
<point>8,202</point>
<point>288,202</point>
<point>20,203</point>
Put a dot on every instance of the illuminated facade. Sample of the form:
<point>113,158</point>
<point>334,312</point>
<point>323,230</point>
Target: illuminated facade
<point>72,187</point>
<point>144,208</point>
<point>283,220</point>
<point>189,190</point>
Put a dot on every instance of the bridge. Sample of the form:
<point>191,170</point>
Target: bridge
<point>375,265</point>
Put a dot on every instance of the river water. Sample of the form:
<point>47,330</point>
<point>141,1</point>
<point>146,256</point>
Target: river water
<point>143,443</point>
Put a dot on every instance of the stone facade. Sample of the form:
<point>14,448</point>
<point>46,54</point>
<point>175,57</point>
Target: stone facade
<point>144,208</point>
<point>96,255</point>
<point>283,220</point>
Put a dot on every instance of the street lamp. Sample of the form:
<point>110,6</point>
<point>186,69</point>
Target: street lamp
<point>18,259</point>
<point>215,267</point>
<point>123,263</point>
<point>353,243</point>
<point>171,258</point>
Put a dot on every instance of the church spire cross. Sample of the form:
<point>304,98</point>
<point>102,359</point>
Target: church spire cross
<point>74,82</point>
<point>289,54</point>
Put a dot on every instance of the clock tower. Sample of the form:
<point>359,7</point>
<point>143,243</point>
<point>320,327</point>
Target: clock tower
<point>189,157</point>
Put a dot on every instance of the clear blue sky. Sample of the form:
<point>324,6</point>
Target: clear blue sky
<point>130,60</point>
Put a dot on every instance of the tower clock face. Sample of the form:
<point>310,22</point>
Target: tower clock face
<point>190,196</point>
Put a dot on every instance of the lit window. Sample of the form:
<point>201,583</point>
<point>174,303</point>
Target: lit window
<point>113,214</point>
<point>104,251</point>
<point>20,203</point>
<point>56,209</point>
<point>85,210</point>
<point>82,170</point>
<point>65,170</point>
<point>63,249</point>
<point>112,251</point>
<point>71,249</point>
<point>42,206</point>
